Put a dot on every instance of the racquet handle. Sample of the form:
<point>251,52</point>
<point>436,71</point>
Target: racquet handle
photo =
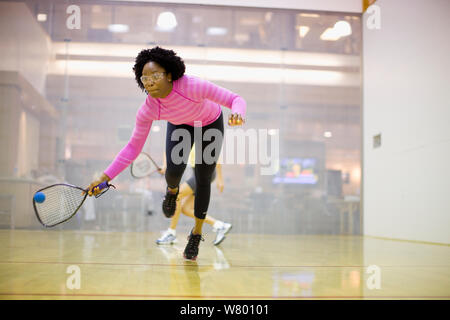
<point>102,185</point>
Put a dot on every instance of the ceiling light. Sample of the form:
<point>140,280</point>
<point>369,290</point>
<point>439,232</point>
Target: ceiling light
<point>330,34</point>
<point>302,31</point>
<point>309,15</point>
<point>214,54</point>
<point>216,31</point>
<point>118,28</point>
<point>327,134</point>
<point>242,64</point>
<point>213,72</point>
<point>340,29</point>
<point>166,21</point>
<point>343,28</point>
<point>42,17</point>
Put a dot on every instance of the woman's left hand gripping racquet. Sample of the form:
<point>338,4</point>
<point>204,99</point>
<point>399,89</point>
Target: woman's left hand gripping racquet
<point>58,203</point>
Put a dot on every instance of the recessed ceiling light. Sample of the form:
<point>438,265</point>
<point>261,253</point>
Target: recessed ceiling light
<point>166,21</point>
<point>216,31</point>
<point>343,28</point>
<point>340,29</point>
<point>309,15</point>
<point>327,134</point>
<point>118,28</point>
<point>42,17</point>
<point>330,35</point>
<point>302,31</point>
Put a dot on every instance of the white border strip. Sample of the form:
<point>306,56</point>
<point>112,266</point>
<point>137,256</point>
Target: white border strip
<point>349,6</point>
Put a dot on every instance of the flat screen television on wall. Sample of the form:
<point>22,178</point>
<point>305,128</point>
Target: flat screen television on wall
<point>297,171</point>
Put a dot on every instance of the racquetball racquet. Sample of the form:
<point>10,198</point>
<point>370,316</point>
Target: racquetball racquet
<point>58,203</point>
<point>143,166</point>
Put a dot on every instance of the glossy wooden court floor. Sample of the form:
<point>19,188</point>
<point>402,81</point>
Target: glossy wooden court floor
<point>129,265</point>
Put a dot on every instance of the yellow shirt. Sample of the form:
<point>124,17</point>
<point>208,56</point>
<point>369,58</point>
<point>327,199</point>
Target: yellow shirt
<point>191,160</point>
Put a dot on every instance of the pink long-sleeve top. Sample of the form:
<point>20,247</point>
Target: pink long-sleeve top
<point>191,99</point>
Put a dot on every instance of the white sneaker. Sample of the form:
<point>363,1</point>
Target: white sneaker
<point>221,232</point>
<point>167,238</point>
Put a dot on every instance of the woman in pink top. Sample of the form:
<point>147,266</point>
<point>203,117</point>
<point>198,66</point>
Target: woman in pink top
<point>192,107</point>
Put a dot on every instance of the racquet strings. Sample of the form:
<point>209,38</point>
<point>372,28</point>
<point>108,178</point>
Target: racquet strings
<point>142,166</point>
<point>61,202</point>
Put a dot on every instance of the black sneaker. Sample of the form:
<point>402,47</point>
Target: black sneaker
<point>170,203</point>
<point>191,250</point>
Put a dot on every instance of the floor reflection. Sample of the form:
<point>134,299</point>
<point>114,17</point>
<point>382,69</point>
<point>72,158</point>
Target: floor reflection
<point>123,265</point>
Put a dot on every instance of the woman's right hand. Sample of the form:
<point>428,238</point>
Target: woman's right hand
<point>235,119</point>
<point>162,171</point>
<point>94,191</point>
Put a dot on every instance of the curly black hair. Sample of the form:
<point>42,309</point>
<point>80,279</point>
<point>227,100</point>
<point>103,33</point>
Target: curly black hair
<point>167,59</point>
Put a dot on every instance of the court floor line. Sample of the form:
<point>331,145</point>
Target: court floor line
<point>217,297</point>
<point>194,264</point>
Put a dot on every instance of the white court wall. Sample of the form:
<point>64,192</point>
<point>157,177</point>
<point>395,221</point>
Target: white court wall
<point>406,99</point>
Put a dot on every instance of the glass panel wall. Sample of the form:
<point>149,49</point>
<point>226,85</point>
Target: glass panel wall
<point>69,99</point>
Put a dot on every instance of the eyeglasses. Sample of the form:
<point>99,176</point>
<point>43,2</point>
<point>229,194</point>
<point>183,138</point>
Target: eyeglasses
<point>154,77</point>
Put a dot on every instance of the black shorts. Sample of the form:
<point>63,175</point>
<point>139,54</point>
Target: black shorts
<point>191,180</point>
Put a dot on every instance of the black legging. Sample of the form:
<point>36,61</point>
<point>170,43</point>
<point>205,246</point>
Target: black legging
<point>203,170</point>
